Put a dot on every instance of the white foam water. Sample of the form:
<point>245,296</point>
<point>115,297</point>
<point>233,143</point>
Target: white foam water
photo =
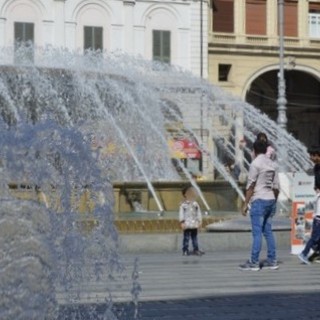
<point>70,125</point>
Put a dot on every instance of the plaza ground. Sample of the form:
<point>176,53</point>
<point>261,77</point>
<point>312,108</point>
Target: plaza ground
<point>211,287</point>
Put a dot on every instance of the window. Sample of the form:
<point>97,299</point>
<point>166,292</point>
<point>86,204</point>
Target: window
<point>93,38</point>
<point>23,37</point>
<point>223,16</point>
<point>314,25</point>
<point>224,70</point>
<point>256,17</point>
<point>161,46</point>
<point>314,19</point>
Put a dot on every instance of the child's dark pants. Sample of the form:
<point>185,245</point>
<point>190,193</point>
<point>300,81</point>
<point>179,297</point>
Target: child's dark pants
<point>187,233</point>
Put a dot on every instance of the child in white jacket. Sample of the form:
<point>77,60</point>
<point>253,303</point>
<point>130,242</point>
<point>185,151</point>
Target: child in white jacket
<point>190,219</point>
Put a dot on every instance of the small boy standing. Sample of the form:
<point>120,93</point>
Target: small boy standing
<point>190,219</point>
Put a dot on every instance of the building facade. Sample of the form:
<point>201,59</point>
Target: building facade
<point>244,58</point>
<point>164,30</point>
<point>168,31</point>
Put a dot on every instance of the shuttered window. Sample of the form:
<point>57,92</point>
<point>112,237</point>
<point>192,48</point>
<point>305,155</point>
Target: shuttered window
<point>291,18</point>
<point>93,38</point>
<point>314,7</point>
<point>256,17</point>
<point>23,36</point>
<point>223,16</point>
<point>23,32</point>
<point>161,43</point>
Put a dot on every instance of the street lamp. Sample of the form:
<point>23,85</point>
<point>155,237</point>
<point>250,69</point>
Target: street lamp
<point>201,39</point>
<point>201,67</point>
<point>201,76</point>
<point>281,101</point>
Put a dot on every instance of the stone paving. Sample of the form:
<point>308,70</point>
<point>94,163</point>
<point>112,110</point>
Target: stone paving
<point>212,287</point>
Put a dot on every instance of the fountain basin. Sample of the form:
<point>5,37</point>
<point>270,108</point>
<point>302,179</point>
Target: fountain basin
<point>219,195</point>
<point>135,197</point>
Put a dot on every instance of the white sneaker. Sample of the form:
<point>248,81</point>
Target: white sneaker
<point>303,258</point>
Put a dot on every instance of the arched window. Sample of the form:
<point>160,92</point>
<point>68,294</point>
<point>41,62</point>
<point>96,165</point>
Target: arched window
<point>24,28</point>
<point>93,28</point>
<point>161,44</point>
<point>162,36</point>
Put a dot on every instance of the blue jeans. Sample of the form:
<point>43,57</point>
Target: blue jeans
<point>187,234</point>
<point>261,214</point>
<point>315,236</point>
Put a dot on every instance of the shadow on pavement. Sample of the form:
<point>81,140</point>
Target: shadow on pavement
<point>271,306</point>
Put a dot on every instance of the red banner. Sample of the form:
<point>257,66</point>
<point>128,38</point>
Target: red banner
<point>184,149</point>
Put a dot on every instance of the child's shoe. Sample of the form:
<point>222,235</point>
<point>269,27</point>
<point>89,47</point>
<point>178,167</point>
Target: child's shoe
<point>185,253</point>
<point>198,252</point>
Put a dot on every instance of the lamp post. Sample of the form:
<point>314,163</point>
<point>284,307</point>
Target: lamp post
<point>281,101</point>
<point>201,67</point>
<point>201,39</point>
<point>201,76</point>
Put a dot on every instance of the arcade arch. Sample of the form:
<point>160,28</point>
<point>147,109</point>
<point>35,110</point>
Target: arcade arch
<point>303,100</point>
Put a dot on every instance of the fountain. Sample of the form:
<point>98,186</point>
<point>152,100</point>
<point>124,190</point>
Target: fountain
<point>72,125</point>
<point>45,251</point>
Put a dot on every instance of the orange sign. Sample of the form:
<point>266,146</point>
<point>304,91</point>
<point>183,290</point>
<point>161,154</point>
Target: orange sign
<point>301,223</point>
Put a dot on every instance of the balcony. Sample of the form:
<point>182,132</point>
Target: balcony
<point>252,43</point>
<point>309,41</point>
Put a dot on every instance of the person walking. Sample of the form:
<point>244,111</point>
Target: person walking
<point>314,153</point>
<point>262,192</point>
<point>315,234</point>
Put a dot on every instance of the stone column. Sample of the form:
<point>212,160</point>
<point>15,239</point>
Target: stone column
<point>59,33</point>
<point>128,28</point>
<point>239,20</point>
<point>303,25</point>
<point>139,40</point>
<point>2,32</point>
<point>48,32</point>
<point>70,35</point>
<point>117,42</point>
<point>184,56</point>
<point>272,21</point>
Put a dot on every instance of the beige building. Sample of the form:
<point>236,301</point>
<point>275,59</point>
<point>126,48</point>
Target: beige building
<point>244,58</point>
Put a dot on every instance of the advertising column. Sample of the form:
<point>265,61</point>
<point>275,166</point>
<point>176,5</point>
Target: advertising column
<point>303,196</point>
